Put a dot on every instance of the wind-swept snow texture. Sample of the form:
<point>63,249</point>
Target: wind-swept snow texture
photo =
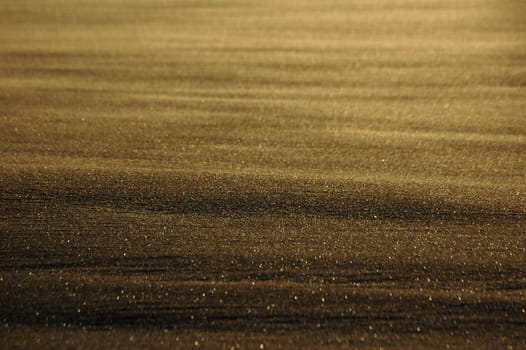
<point>262,174</point>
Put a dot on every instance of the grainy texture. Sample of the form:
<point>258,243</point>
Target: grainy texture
<point>277,174</point>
